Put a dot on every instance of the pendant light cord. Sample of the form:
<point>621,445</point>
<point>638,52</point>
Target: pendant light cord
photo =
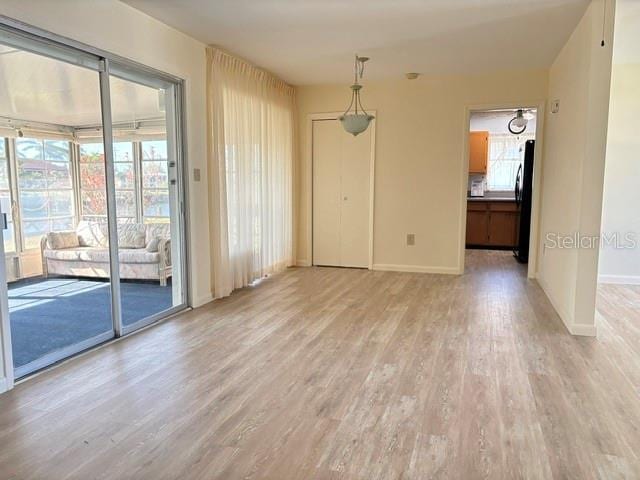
<point>604,21</point>
<point>355,91</point>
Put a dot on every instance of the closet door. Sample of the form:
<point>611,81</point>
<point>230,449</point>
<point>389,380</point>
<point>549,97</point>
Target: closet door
<point>341,180</point>
<point>327,160</point>
<point>354,231</point>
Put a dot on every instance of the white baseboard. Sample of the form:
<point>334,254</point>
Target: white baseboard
<point>620,279</point>
<point>303,263</point>
<point>583,330</point>
<point>567,320</point>
<point>202,300</point>
<point>3,384</point>
<point>416,269</point>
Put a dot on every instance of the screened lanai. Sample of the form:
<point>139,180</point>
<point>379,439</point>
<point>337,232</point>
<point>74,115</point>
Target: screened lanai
<point>54,188</point>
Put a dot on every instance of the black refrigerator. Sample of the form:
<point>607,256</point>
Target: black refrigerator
<point>524,193</point>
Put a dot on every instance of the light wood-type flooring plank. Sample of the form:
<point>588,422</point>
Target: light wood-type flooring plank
<point>343,374</point>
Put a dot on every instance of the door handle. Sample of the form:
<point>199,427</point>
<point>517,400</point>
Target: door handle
<point>3,221</point>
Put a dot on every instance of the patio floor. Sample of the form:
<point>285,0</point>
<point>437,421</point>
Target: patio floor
<point>54,313</point>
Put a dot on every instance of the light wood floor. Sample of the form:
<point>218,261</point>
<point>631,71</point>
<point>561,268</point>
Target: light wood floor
<point>323,373</point>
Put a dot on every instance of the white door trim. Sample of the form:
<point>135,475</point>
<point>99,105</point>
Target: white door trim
<point>308,163</point>
<point>539,105</point>
<point>7,378</point>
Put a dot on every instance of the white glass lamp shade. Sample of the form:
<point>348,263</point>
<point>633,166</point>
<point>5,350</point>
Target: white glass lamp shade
<point>520,122</point>
<point>356,123</point>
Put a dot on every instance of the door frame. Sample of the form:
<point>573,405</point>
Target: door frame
<point>7,377</point>
<point>308,165</point>
<point>539,105</point>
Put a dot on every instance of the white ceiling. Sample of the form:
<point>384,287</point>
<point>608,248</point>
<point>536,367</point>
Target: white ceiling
<point>313,41</point>
<point>39,89</point>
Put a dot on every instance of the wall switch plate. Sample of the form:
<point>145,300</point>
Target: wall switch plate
<point>411,239</point>
<point>555,106</point>
<point>196,174</point>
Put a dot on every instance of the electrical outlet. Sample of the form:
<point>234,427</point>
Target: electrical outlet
<point>196,174</point>
<point>555,106</point>
<point>411,239</point>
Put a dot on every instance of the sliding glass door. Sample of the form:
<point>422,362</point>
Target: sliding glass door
<point>91,186</point>
<point>148,192</point>
<point>59,289</point>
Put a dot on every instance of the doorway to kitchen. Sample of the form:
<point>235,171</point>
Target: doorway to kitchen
<point>500,195</point>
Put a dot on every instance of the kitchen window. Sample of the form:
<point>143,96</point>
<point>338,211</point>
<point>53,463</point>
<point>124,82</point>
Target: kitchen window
<point>505,155</point>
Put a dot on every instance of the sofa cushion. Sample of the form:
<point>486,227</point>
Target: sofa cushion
<point>101,255</point>
<point>132,235</point>
<point>95,234</point>
<point>65,239</point>
<point>138,255</point>
<point>86,254</point>
<point>157,230</point>
<point>92,234</point>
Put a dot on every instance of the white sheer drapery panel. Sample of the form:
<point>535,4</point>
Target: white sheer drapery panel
<point>506,152</point>
<point>251,145</point>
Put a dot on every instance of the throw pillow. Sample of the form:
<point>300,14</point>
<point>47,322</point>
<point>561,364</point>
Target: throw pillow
<point>60,240</point>
<point>152,246</point>
<point>131,235</point>
<point>92,234</point>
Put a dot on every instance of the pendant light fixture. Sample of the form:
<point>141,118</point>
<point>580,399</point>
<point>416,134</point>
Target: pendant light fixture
<point>518,124</point>
<point>357,120</point>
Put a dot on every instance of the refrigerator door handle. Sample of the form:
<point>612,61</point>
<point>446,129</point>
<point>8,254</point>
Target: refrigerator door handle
<point>517,186</point>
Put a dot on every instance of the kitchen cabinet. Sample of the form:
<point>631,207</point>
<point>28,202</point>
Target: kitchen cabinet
<point>477,223</point>
<point>478,152</point>
<point>492,224</point>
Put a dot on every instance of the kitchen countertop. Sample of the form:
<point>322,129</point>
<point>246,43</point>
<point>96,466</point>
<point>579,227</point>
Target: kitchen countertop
<point>491,199</point>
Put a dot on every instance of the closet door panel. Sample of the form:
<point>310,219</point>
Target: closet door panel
<point>355,175</point>
<point>326,152</point>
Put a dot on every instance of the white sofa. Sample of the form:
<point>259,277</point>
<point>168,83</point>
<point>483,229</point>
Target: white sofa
<point>144,251</point>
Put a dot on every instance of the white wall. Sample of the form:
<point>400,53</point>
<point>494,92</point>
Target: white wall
<point>573,169</point>
<point>420,166</point>
<point>622,178</point>
<point>622,169</point>
<point>120,29</point>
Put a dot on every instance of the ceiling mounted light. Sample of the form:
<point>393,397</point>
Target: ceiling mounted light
<point>357,121</point>
<point>518,124</point>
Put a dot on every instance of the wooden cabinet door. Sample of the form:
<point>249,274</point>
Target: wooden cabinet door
<point>477,227</point>
<point>478,152</point>
<point>503,228</point>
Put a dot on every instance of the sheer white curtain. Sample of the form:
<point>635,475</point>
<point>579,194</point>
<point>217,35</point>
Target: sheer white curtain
<point>251,144</point>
